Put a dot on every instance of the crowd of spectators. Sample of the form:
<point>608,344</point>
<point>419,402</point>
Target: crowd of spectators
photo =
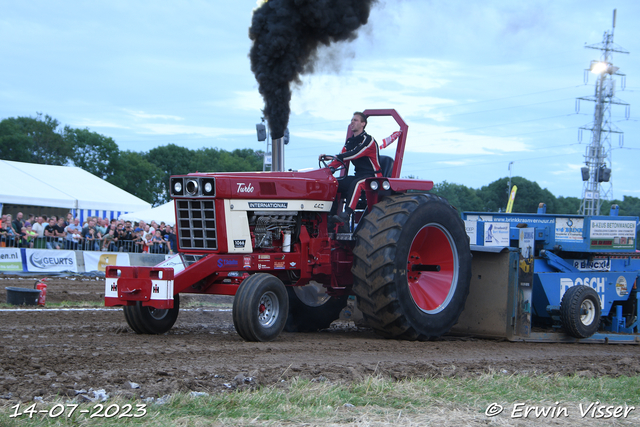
<point>96,234</point>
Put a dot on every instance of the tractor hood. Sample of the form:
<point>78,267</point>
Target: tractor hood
<point>317,184</point>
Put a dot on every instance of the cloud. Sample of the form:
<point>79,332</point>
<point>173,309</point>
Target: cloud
<point>567,169</point>
<point>143,115</point>
<point>90,123</point>
<point>171,129</point>
<point>334,97</point>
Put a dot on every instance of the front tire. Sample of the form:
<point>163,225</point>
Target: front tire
<point>148,320</point>
<point>580,311</point>
<point>260,307</point>
<point>311,309</point>
<point>412,267</point>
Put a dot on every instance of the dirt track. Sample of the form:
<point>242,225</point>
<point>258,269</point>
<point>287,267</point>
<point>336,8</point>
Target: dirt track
<point>47,352</point>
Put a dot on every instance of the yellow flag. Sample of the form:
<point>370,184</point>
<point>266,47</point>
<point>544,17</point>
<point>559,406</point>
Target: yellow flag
<point>512,196</point>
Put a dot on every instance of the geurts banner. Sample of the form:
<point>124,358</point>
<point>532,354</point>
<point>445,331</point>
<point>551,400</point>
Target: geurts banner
<point>42,260</point>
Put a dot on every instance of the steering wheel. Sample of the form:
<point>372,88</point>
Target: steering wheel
<point>322,162</point>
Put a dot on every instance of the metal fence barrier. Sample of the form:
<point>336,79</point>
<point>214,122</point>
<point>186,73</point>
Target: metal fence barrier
<point>105,245</point>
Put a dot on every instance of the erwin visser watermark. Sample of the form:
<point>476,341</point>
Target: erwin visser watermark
<point>582,410</point>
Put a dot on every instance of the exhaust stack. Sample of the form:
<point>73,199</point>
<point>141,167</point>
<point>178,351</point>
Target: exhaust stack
<point>277,154</point>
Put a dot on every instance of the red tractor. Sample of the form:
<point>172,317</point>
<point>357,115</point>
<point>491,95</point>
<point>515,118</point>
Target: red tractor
<point>264,237</point>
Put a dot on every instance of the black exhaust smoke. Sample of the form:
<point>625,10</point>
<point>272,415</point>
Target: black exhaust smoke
<point>286,35</point>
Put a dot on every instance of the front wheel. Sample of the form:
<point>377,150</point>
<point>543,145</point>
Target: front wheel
<point>260,307</point>
<point>580,311</point>
<point>412,266</point>
<point>148,320</point>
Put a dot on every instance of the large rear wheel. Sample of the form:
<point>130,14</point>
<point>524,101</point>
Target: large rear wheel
<point>412,266</point>
<point>148,320</point>
<point>260,307</point>
<point>311,308</point>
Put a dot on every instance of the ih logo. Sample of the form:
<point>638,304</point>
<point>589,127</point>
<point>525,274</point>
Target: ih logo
<point>156,289</point>
<point>114,287</point>
<point>596,283</point>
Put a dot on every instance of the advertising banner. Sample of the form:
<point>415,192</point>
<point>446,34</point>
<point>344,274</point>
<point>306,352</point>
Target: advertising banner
<point>612,234</point>
<point>10,259</point>
<point>569,229</point>
<point>43,260</point>
<point>496,234</point>
<point>472,231</point>
<point>98,261</point>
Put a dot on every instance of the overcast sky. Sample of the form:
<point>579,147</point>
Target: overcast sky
<point>480,83</point>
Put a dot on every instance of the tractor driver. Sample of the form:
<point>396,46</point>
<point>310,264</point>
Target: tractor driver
<point>362,150</point>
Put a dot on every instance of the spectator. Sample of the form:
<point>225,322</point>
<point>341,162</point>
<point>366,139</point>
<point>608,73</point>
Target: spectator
<point>60,232</point>
<point>7,235</point>
<point>69,220</point>
<point>38,227</point>
<point>171,238</point>
<point>158,244</point>
<point>30,221</point>
<point>50,234</point>
<point>91,236</point>
<point>119,234</point>
<point>153,227</point>
<point>138,241</point>
<point>30,236</point>
<point>109,241</point>
<point>99,227</point>
<point>18,223</point>
<point>146,241</point>
<point>74,235</point>
<point>126,238</point>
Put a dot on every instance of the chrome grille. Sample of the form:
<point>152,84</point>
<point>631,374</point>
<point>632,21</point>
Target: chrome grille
<point>197,225</point>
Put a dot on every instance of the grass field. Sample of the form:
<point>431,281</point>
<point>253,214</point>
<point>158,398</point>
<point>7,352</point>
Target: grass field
<point>550,400</point>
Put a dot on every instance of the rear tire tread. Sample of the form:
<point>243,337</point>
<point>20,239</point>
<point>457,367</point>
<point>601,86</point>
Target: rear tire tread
<point>374,268</point>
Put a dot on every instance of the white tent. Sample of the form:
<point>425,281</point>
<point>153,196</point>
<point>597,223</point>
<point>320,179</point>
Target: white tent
<point>166,213</point>
<point>64,187</point>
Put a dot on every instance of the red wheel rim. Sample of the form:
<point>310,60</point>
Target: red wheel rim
<point>432,268</point>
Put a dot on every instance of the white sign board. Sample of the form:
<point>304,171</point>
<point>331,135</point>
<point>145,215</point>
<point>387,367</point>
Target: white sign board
<point>569,229</point>
<point>44,260</point>
<point>472,230</point>
<point>98,261</point>
<point>10,259</point>
<point>496,234</point>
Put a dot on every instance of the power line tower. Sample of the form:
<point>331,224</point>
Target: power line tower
<point>598,160</point>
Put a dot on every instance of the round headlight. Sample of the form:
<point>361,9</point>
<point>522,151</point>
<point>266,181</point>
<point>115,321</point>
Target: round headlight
<point>373,185</point>
<point>192,187</point>
<point>177,187</point>
<point>208,187</point>
<point>386,185</point>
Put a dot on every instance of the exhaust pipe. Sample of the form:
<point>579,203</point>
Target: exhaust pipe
<point>277,154</point>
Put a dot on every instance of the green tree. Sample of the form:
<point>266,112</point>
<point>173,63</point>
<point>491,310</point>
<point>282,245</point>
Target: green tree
<point>15,144</point>
<point>38,136</point>
<point>92,152</point>
<point>463,198</point>
<point>134,174</point>
<point>528,196</point>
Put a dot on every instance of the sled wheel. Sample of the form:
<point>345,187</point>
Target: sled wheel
<point>311,309</point>
<point>412,266</point>
<point>149,320</point>
<point>260,307</point>
<point>580,311</point>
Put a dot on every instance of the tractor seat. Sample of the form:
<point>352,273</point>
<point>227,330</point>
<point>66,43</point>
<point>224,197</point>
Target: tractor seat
<point>386,166</point>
